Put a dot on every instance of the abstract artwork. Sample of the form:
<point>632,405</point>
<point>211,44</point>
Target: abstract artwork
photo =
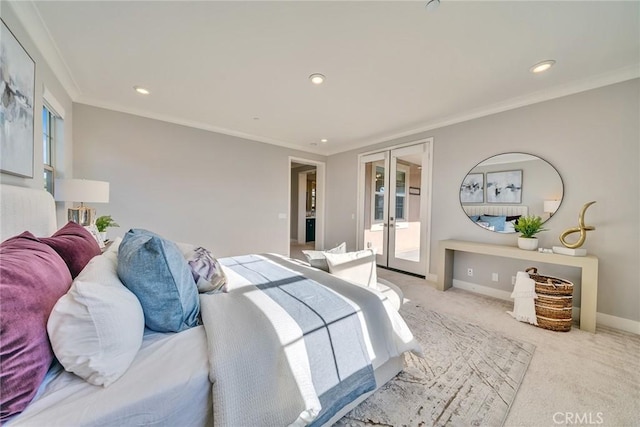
<point>472,188</point>
<point>17,84</point>
<point>504,187</point>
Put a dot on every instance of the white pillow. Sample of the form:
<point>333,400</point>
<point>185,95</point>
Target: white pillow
<point>509,227</point>
<point>317,258</point>
<point>355,267</point>
<point>96,328</point>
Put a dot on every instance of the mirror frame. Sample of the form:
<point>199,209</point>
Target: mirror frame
<point>517,178</point>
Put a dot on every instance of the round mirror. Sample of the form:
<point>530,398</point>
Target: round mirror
<point>502,188</point>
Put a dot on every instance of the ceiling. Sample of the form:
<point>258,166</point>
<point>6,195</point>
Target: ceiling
<point>392,68</point>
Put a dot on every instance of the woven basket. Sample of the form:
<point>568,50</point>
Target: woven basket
<point>554,304</point>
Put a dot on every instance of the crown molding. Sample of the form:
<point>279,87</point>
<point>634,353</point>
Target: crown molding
<point>34,25</point>
<point>601,80</point>
<point>193,124</point>
<point>27,13</point>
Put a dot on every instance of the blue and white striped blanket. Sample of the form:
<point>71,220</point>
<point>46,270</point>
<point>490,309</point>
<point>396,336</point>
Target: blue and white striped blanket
<point>287,350</point>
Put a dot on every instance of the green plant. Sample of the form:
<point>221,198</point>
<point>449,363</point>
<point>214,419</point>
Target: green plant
<point>529,226</point>
<point>104,222</point>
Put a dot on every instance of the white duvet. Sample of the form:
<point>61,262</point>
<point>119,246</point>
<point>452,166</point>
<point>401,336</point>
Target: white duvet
<point>272,385</point>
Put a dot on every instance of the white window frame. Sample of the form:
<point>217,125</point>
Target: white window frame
<point>50,135</point>
<point>374,193</point>
<point>400,167</point>
<point>57,113</point>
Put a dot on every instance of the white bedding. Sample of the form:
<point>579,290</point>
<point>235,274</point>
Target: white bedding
<point>168,381</point>
<point>167,384</point>
<point>276,388</point>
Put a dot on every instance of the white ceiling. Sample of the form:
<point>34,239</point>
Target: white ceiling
<point>392,68</point>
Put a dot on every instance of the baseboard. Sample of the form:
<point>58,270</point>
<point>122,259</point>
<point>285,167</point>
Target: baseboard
<point>602,319</point>
<point>614,322</point>
<point>480,289</point>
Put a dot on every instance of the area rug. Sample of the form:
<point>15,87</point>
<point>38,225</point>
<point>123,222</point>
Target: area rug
<point>469,376</point>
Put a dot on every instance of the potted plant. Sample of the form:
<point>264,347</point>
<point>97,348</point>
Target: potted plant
<point>104,222</point>
<point>528,227</point>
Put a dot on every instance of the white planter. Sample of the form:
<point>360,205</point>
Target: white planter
<point>528,243</point>
<point>103,234</point>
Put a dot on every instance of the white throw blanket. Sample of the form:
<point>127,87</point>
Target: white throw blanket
<point>524,293</point>
<point>258,360</point>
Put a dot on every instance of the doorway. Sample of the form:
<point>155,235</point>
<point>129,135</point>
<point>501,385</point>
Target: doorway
<point>395,206</point>
<point>306,206</point>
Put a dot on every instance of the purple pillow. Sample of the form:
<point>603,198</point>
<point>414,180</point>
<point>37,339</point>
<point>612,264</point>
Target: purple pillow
<point>32,278</point>
<point>206,271</point>
<point>75,245</point>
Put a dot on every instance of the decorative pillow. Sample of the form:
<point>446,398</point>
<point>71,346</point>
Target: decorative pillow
<point>75,245</point>
<point>206,270</point>
<point>96,328</point>
<point>318,260</point>
<point>32,278</point>
<point>355,267</point>
<point>474,218</point>
<point>497,222</point>
<point>509,227</point>
<point>155,270</point>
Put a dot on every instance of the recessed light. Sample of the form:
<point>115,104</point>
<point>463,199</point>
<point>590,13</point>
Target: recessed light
<point>141,90</point>
<point>323,140</point>
<point>317,78</point>
<point>542,66</point>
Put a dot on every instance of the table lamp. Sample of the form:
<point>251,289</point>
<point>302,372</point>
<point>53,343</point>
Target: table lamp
<point>81,190</point>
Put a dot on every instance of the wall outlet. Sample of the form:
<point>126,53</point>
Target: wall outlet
<point>513,280</point>
<point>470,272</point>
<point>494,277</point>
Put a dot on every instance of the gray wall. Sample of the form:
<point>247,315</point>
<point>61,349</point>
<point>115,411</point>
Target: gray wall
<point>44,78</point>
<point>592,138</point>
<point>190,185</point>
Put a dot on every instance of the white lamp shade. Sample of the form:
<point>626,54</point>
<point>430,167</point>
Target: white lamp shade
<point>81,190</point>
<point>551,206</point>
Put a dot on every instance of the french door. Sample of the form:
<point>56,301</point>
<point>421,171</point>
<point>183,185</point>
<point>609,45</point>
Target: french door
<point>394,205</point>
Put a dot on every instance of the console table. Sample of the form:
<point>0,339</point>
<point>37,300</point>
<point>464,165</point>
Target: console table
<point>588,264</point>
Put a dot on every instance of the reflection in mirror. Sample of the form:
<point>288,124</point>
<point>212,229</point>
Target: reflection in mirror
<point>502,188</point>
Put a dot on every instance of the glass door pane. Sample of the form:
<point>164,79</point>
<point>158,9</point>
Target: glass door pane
<point>375,178</point>
<point>405,228</point>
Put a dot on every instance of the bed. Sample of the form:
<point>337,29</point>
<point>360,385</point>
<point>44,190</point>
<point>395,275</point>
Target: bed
<point>498,218</point>
<point>255,359</point>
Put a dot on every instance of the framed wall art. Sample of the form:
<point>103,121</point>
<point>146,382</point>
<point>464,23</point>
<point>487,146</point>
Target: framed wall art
<point>504,187</point>
<point>472,188</point>
<point>17,95</point>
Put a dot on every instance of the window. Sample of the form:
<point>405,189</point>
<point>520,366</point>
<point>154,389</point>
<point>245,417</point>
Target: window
<point>401,193</point>
<point>378,185</point>
<point>49,123</point>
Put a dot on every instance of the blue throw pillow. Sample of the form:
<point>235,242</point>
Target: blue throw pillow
<point>474,218</point>
<point>155,270</point>
<point>497,222</point>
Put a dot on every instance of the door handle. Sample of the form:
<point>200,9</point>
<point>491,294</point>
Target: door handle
<point>391,219</point>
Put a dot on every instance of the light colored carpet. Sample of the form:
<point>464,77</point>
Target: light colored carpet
<point>468,377</point>
<point>572,375</point>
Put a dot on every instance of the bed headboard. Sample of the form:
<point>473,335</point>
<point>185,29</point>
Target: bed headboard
<point>26,209</point>
<point>496,210</point>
